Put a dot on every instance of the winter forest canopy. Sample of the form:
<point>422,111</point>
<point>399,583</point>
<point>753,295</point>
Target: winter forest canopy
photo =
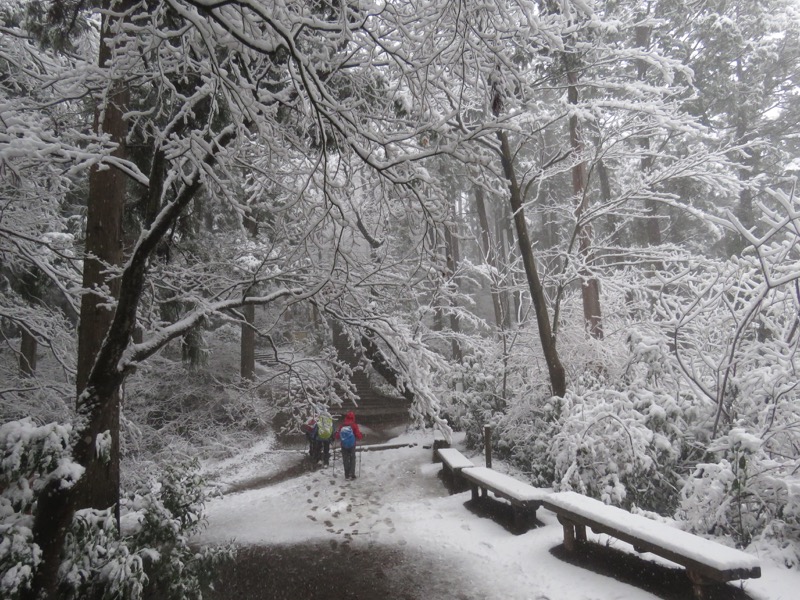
<point>573,220</point>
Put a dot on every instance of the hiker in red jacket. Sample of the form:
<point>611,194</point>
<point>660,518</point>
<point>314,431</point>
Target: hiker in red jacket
<point>347,434</point>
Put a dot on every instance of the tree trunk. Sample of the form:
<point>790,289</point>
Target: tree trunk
<point>590,286</point>
<point>554,367</point>
<point>504,226</point>
<point>652,226</point>
<point>27,354</point>
<point>103,248</point>
<point>452,254</point>
<point>490,258</point>
<point>98,487</point>
<point>248,348</point>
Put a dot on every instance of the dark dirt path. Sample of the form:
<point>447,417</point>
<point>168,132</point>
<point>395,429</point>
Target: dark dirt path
<point>334,572</point>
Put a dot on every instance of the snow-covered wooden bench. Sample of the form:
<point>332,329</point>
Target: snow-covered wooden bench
<point>706,561</point>
<point>452,464</point>
<point>524,498</point>
<point>439,441</point>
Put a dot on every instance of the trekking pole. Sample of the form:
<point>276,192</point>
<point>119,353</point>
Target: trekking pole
<point>359,461</point>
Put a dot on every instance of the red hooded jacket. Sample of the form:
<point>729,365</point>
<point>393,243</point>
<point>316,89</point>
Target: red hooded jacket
<point>350,419</point>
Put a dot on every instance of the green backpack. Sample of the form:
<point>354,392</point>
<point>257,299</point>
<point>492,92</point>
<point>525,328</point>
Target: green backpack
<point>325,426</point>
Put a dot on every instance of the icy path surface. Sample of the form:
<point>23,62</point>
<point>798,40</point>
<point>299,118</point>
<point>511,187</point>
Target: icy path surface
<point>398,501</point>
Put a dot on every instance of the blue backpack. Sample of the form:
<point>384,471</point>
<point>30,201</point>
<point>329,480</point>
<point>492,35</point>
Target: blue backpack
<point>347,437</point>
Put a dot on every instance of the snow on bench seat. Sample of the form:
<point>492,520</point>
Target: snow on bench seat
<point>523,497</point>
<point>452,464</point>
<point>454,459</point>
<point>706,561</point>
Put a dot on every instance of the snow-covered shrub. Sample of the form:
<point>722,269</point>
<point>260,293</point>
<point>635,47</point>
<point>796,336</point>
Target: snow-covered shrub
<point>150,558</point>
<point>619,445</point>
<point>160,518</point>
<point>98,562</point>
<point>620,434</point>
<point>524,435</point>
<point>744,495</point>
<point>480,401</point>
<point>30,457</point>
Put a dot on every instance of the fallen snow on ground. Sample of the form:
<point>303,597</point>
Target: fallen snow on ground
<point>399,500</point>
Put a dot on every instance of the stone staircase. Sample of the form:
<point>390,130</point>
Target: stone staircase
<point>373,407</point>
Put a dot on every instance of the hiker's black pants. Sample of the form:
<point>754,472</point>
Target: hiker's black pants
<point>349,460</point>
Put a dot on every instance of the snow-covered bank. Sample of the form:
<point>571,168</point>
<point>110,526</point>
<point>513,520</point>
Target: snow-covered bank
<point>400,502</point>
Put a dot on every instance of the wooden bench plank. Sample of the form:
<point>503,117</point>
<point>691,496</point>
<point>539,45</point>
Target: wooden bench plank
<point>706,561</point>
<point>506,486</point>
<point>453,462</point>
<point>454,459</point>
<point>524,498</point>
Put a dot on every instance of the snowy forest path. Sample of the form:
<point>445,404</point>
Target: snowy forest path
<point>313,527</point>
<point>395,532</point>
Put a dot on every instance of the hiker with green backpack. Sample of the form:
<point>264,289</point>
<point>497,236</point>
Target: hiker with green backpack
<point>347,434</point>
<point>325,435</point>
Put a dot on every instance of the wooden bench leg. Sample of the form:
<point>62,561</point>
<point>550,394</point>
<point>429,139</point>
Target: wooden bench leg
<point>569,534</point>
<point>519,519</point>
<point>523,518</point>
<point>580,533</point>
<point>474,493</point>
<point>699,584</point>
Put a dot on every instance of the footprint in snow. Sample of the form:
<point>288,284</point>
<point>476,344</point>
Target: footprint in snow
<point>465,527</point>
<point>316,494</point>
<point>329,523</point>
<point>312,517</point>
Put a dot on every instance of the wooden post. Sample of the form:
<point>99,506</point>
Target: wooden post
<point>487,444</point>
<point>438,442</point>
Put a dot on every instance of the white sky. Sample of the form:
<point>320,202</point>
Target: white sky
<point>399,500</point>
